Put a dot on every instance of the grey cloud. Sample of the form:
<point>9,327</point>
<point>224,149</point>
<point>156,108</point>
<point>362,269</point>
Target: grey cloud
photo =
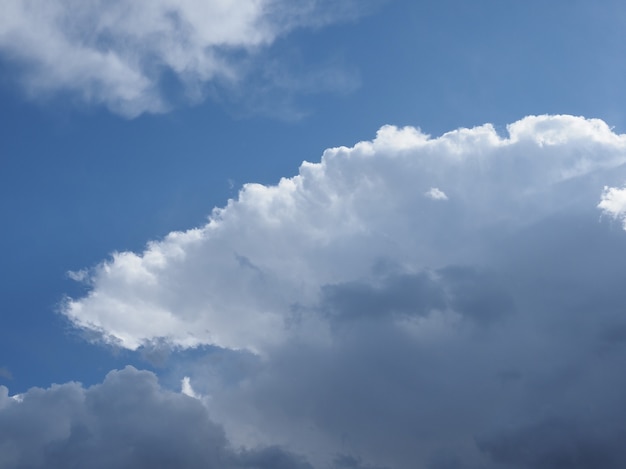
<point>614,333</point>
<point>128,421</point>
<point>401,294</point>
<point>272,457</point>
<point>479,295</point>
<point>537,385</point>
<point>555,444</point>
<point>468,291</point>
<point>346,461</point>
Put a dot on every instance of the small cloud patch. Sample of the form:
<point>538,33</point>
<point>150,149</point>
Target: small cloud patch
<point>436,194</point>
<point>613,203</point>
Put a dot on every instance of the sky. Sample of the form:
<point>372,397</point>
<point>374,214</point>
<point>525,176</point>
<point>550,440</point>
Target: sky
<point>375,234</point>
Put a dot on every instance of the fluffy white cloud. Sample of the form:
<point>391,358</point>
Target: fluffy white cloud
<point>119,52</point>
<point>252,277</point>
<point>613,203</point>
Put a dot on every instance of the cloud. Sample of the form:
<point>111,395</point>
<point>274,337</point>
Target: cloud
<point>436,194</point>
<point>133,56</point>
<point>350,462</point>
<point>476,295</point>
<point>556,444</point>
<point>348,318</point>
<point>613,203</point>
<point>128,421</point>
<point>187,389</point>
<point>251,277</point>
<point>516,368</point>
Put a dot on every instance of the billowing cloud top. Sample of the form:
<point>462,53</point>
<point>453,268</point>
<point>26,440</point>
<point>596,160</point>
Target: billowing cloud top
<point>259,272</point>
<point>117,52</point>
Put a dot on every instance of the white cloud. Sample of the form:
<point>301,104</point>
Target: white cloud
<point>251,276</point>
<point>436,194</point>
<point>613,203</point>
<point>117,52</point>
<point>187,389</point>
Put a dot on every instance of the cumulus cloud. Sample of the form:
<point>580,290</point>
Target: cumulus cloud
<point>251,276</point>
<point>362,325</point>
<point>128,421</point>
<point>124,54</point>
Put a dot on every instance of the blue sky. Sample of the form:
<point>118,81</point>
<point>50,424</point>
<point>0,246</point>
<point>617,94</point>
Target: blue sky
<point>123,123</point>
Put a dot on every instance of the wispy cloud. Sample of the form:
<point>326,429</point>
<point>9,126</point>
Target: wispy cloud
<point>124,54</point>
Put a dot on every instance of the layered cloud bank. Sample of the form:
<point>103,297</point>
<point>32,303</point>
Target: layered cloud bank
<point>130,55</point>
<point>447,303</point>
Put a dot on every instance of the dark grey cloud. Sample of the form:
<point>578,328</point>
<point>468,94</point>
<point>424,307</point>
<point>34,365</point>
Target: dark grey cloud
<point>404,294</point>
<point>271,457</point>
<point>128,421</point>
<point>346,461</point>
<point>468,291</point>
<point>558,444</point>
